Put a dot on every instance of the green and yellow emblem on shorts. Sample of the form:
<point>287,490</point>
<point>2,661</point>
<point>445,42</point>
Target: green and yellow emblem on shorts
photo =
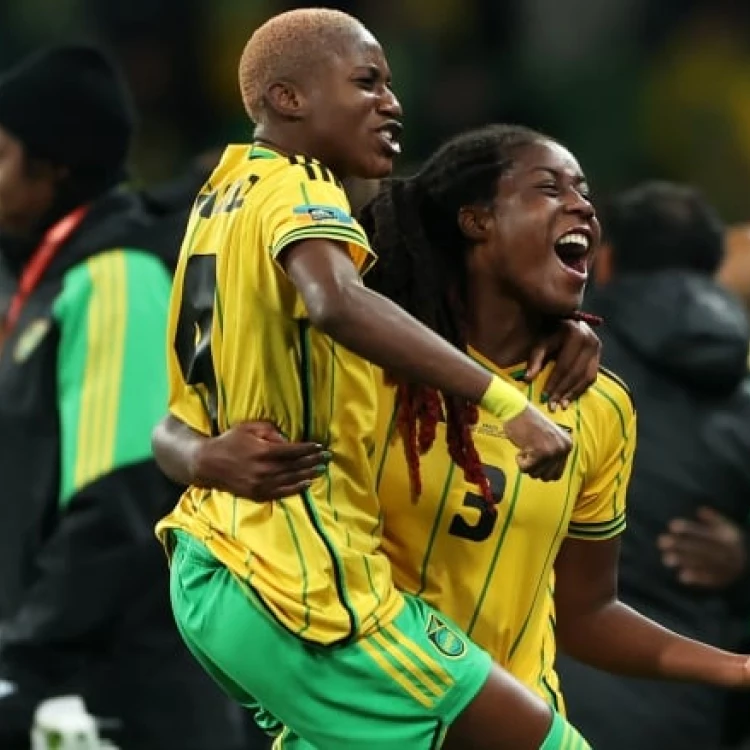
<point>445,639</point>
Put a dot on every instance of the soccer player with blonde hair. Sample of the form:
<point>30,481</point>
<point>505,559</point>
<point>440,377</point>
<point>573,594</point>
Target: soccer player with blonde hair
<point>292,605</point>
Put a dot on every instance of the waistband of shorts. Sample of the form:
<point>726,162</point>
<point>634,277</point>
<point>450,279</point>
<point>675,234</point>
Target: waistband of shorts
<point>191,546</point>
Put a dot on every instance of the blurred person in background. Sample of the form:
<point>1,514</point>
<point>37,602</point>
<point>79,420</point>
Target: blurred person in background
<point>681,342</point>
<point>82,382</point>
<point>734,272</point>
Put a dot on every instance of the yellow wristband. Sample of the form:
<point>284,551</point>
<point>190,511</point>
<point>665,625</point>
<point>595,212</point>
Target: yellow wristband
<point>503,400</point>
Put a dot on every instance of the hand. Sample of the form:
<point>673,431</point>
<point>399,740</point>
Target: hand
<point>710,552</point>
<point>254,460</point>
<point>577,352</point>
<point>543,446</point>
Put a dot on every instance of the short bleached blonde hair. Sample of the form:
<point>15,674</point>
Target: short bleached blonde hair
<point>287,47</point>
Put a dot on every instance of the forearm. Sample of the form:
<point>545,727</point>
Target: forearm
<point>618,639</point>
<point>176,447</point>
<point>378,330</point>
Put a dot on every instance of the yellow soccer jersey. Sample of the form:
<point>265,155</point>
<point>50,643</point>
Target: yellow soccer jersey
<point>240,347</point>
<point>493,573</point>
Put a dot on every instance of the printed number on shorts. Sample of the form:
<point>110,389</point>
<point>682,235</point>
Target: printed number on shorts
<point>484,525</point>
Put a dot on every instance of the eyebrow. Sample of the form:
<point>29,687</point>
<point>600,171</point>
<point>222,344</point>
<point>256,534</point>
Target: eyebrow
<point>370,68</point>
<point>578,179</point>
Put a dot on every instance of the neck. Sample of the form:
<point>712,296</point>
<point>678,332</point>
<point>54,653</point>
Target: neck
<point>500,328</point>
<point>289,138</point>
<point>283,138</point>
<point>17,249</point>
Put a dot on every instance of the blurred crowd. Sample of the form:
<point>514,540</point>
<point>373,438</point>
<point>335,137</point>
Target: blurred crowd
<point>640,90</point>
<point>636,88</point>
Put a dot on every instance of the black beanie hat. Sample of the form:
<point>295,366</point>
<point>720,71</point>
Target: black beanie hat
<point>69,105</point>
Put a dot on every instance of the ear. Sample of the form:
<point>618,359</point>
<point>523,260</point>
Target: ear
<point>603,264</point>
<point>286,99</point>
<point>474,222</point>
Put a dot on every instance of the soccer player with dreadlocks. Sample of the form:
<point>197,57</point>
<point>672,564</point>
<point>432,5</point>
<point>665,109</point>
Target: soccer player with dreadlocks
<point>488,244</point>
<point>269,319</point>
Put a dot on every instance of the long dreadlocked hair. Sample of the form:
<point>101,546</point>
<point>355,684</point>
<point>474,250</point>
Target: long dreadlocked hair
<point>413,224</point>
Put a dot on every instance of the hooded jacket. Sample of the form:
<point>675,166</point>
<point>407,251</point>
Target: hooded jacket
<point>84,602</point>
<point>681,343</point>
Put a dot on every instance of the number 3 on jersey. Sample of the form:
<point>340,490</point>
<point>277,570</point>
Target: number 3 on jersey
<point>484,526</point>
<point>193,335</point>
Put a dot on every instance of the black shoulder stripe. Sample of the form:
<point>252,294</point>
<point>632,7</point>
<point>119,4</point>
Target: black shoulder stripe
<point>619,381</point>
<point>307,163</point>
<point>313,168</point>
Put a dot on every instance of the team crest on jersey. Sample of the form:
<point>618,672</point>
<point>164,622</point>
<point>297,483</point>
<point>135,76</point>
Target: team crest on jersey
<point>445,639</point>
<point>29,339</point>
<point>323,213</point>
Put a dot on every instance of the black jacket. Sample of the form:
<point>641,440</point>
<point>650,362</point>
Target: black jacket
<point>84,591</point>
<point>681,343</point>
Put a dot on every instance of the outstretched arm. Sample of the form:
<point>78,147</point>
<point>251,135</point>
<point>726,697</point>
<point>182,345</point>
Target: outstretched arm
<point>594,627</point>
<point>375,328</point>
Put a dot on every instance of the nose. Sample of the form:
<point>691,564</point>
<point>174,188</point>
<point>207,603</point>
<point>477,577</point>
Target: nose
<point>389,104</point>
<point>579,204</point>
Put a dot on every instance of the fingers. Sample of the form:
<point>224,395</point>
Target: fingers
<point>684,551</point>
<point>311,453</point>
<point>681,528</point>
<point>276,447</point>
<point>535,363</point>
<point>543,446</point>
<point>576,365</point>
<point>292,483</point>
<point>702,578</point>
<point>273,481</point>
<point>711,517</point>
<point>565,374</point>
<point>583,374</point>
<point>547,469</point>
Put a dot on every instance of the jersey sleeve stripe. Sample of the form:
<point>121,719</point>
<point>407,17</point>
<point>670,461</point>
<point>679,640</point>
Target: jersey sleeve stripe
<point>597,531</point>
<point>323,231</point>
<point>599,524</point>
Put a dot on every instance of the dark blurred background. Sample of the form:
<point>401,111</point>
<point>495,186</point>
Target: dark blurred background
<point>636,88</point>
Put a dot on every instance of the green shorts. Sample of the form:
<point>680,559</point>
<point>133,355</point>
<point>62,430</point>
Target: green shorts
<point>399,687</point>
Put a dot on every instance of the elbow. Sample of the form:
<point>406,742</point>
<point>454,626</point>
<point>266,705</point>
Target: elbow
<point>156,443</point>
<point>329,309</point>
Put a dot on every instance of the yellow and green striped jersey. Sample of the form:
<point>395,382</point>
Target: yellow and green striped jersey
<point>240,347</point>
<point>111,313</point>
<point>493,573</point>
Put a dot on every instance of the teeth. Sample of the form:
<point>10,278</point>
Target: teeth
<point>392,142</point>
<point>574,238</point>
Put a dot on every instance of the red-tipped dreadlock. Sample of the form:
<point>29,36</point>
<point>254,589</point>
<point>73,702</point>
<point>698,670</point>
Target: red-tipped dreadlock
<point>419,411</point>
<point>413,225</point>
<point>586,317</point>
